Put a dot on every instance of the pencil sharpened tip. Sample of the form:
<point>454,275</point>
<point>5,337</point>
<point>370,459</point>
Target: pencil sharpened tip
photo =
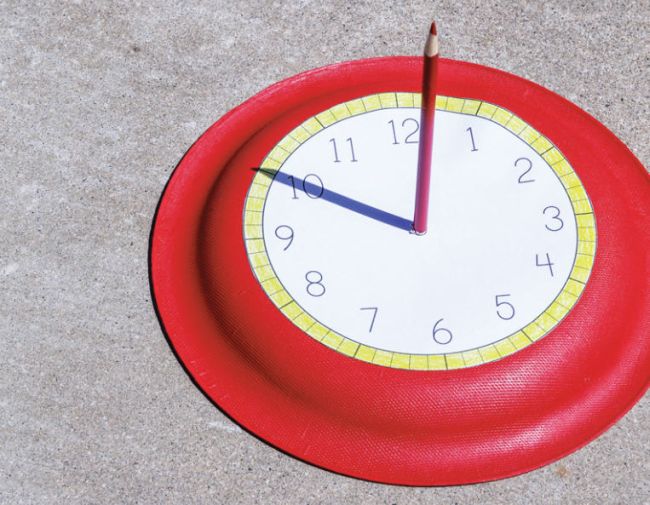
<point>433,30</point>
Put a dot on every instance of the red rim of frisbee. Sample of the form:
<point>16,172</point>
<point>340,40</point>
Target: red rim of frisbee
<point>382,424</point>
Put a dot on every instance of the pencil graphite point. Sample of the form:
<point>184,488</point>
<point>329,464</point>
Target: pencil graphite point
<point>431,47</point>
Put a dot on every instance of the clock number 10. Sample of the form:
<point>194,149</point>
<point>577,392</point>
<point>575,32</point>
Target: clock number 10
<point>314,189</point>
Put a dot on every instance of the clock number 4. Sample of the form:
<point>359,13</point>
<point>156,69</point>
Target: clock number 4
<point>374,316</point>
<point>315,283</point>
<point>548,263</point>
<point>505,310</point>
<point>411,137</point>
<point>441,335</point>
<point>353,157</point>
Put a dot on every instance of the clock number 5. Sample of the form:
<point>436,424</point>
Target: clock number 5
<point>315,283</point>
<point>556,217</point>
<point>505,310</point>
<point>441,335</point>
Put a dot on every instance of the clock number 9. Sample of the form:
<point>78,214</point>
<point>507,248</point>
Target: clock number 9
<point>525,161</point>
<point>508,313</point>
<point>314,283</point>
<point>282,235</point>
<point>556,217</point>
<point>441,335</point>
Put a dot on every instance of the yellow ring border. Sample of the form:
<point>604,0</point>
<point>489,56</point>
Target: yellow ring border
<point>545,322</point>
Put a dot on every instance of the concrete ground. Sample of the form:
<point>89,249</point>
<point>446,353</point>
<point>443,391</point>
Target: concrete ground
<point>98,102</point>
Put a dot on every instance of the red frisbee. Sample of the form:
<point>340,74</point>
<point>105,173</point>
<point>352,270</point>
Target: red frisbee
<point>380,423</point>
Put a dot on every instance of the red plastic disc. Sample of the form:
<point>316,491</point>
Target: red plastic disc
<point>401,426</point>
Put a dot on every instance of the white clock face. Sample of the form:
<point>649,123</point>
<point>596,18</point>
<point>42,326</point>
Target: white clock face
<point>495,271</point>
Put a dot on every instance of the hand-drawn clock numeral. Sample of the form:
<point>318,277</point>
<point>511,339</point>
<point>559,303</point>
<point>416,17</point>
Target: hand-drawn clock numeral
<point>505,310</point>
<point>313,189</point>
<point>548,263</point>
<point>560,224</point>
<point>471,137</point>
<point>353,157</point>
<point>411,137</point>
<point>315,285</point>
<point>525,161</point>
<point>374,316</point>
<point>441,335</point>
<point>284,232</point>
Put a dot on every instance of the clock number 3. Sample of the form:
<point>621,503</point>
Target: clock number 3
<point>556,217</point>
<point>505,310</point>
<point>315,283</point>
<point>441,335</point>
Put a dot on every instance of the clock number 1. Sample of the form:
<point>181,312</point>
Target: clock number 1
<point>353,157</point>
<point>471,137</point>
<point>441,335</point>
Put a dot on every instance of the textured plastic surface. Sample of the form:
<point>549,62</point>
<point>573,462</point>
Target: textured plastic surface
<point>389,425</point>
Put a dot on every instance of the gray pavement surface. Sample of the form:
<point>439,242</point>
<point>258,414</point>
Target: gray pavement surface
<point>98,102</point>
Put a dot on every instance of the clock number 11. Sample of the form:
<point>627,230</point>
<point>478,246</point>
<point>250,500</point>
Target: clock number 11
<point>353,157</point>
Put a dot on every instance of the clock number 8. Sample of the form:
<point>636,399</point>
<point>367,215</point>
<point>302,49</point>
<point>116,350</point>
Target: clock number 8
<point>441,335</point>
<point>314,280</point>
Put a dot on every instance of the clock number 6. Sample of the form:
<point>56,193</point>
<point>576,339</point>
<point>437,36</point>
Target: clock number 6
<point>441,335</point>
<point>314,283</point>
<point>285,236</point>
<point>509,312</point>
<point>556,217</point>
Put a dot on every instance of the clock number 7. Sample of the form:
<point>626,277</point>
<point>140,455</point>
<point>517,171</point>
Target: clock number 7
<point>548,263</point>
<point>374,316</point>
<point>353,158</point>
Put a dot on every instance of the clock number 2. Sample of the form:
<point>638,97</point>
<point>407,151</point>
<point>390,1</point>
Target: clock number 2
<point>315,283</point>
<point>505,310</point>
<point>525,161</point>
<point>353,157</point>
<point>441,335</point>
<point>559,223</point>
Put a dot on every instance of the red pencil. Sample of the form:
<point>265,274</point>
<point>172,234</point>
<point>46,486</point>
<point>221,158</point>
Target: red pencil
<point>429,78</point>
